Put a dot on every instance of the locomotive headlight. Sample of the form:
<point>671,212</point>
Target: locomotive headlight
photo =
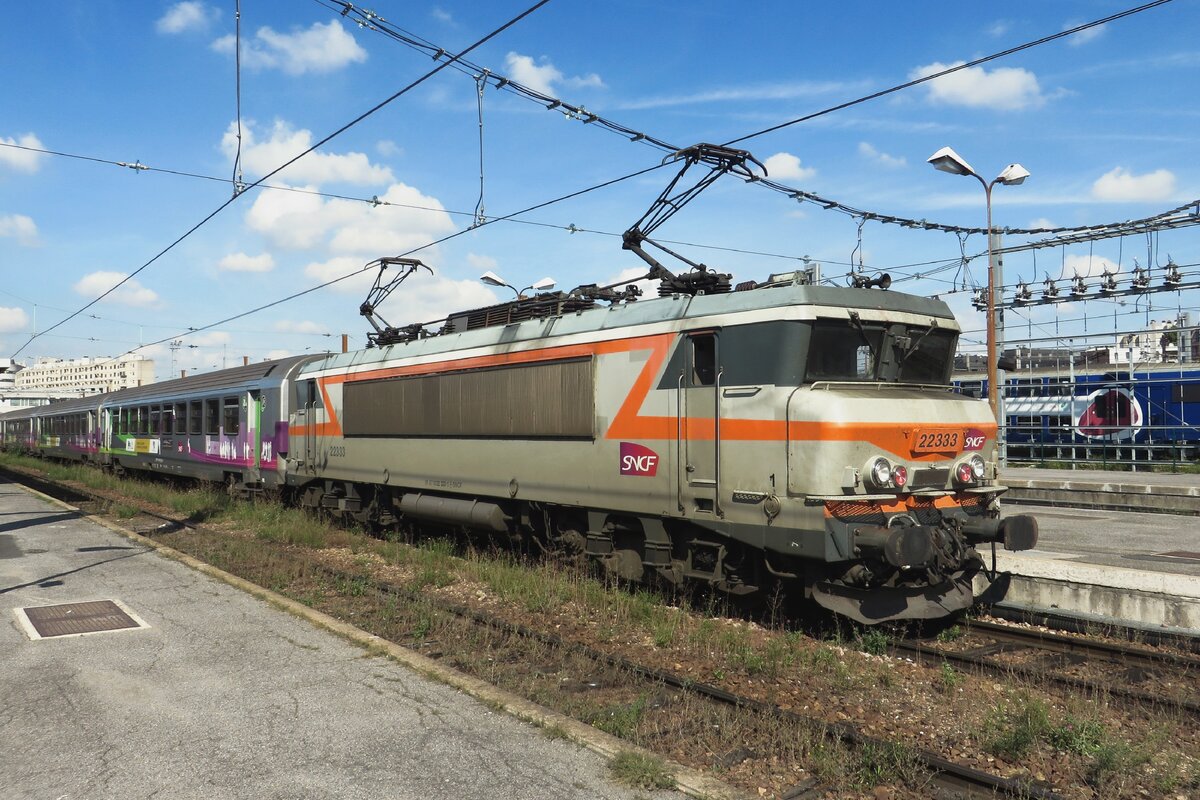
<point>880,471</point>
<point>900,476</point>
<point>963,472</point>
<point>977,467</point>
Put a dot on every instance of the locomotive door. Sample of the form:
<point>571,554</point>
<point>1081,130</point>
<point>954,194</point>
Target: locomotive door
<point>698,444</point>
<point>307,402</point>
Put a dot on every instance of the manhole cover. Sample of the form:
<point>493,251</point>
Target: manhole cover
<point>76,619</point>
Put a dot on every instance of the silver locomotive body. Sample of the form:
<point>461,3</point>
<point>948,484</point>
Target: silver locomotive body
<point>796,434</point>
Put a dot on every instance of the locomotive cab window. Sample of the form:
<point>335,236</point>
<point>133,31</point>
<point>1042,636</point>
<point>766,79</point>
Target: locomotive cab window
<point>232,417</point>
<point>927,355</point>
<point>840,351</point>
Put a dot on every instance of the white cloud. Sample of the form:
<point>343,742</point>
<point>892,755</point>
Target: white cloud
<point>482,262</point>
<point>999,28</point>
<point>1120,184</point>
<point>302,326</point>
<point>893,162</point>
<point>442,15</point>
<point>1042,222</point>
<point>349,228</point>
<point>240,262</point>
<point>542,77</point>
<point>210,339</point>
<point>186,16</point>
<point>1087,266</point>
<point>771,91</point>
<point>1002,89</point>
<point>283,142</point>
<point>275,355</point>
<point>19,227</point>
<point>22,160</point>
<point>388,149</point>
<point>785,166</point>
<point>321,48</point>
<point>13,319</point>
<point>1084,36</point>
<point>131,293</point>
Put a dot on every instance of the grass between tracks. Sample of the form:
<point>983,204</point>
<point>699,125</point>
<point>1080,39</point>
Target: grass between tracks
<point>1084,748</point>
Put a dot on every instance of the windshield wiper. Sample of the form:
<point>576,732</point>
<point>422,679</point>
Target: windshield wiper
<point>913,346</point>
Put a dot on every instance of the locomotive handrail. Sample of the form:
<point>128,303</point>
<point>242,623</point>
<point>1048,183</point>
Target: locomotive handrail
<point>679,454</point>
<point>717,438</point>
<point>826,385</point>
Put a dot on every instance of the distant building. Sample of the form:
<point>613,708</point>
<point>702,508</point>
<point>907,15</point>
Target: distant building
<point>76,377</point>
<point>12,398</point>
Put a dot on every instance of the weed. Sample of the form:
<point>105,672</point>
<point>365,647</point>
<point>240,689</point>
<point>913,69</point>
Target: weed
<point>951,634</point>
<point>874,641</point>
<point>1077,736</point>
<point>641,771</point>
<point>948,678</point>
<point>1114,760</point>
<point>664,632</point>
<point>123,511</point>
<point>1016,730</point>
<point>620,721</point>
<point>885,763</point>
<point>423,626</point>
<point>555,731</point>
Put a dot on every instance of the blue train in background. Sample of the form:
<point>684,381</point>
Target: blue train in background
<point>1100,413</point>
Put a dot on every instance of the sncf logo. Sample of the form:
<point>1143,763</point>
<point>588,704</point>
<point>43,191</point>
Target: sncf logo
<point>974,439</point>
<point>638,460</point>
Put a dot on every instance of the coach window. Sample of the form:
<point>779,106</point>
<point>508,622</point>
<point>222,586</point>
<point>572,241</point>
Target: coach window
<point>123,422</point>
<point>231,416</point>
<point>168,421</point>
<point>155,420</point>
<point>212,416</point>
<point>180,419</point>
<point>195,418</point>
<point>704,360</point>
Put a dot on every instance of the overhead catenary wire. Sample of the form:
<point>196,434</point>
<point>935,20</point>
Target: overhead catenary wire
<point>370,20</point>
<point>949,70</point>
<point>446,238</point>
<point>412,85</point>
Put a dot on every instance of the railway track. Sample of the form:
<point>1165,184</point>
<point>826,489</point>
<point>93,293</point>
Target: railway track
<point>1096,667</point>
<point>948,779</point>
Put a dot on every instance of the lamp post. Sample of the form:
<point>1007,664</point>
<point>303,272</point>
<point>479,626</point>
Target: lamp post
<point>946,160</point>
<point>492,279</point>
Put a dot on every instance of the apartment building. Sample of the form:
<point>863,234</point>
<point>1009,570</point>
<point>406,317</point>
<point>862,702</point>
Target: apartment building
<point>80,376</point>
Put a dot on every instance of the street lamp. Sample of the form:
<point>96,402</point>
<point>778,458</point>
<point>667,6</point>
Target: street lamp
<point>492,279</point>
<point>946,160</point>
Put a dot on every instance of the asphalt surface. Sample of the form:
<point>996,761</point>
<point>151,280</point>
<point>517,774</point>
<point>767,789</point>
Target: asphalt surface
<point>1130,540</point>
<point>223,696</point>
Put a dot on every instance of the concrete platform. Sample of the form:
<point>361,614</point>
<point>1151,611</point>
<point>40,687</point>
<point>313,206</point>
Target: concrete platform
<point>224,696</point>
<point>1139,569</point>
<point>1158,492</point>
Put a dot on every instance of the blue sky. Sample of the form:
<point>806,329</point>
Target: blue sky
<point>1105,121</point>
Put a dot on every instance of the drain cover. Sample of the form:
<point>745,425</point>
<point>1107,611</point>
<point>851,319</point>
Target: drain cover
<point>75,619</point>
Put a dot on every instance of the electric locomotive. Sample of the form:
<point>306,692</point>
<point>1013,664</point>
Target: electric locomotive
<point>784,434</point>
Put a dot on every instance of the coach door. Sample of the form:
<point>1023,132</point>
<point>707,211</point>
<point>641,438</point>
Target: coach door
<point>698,432</point>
